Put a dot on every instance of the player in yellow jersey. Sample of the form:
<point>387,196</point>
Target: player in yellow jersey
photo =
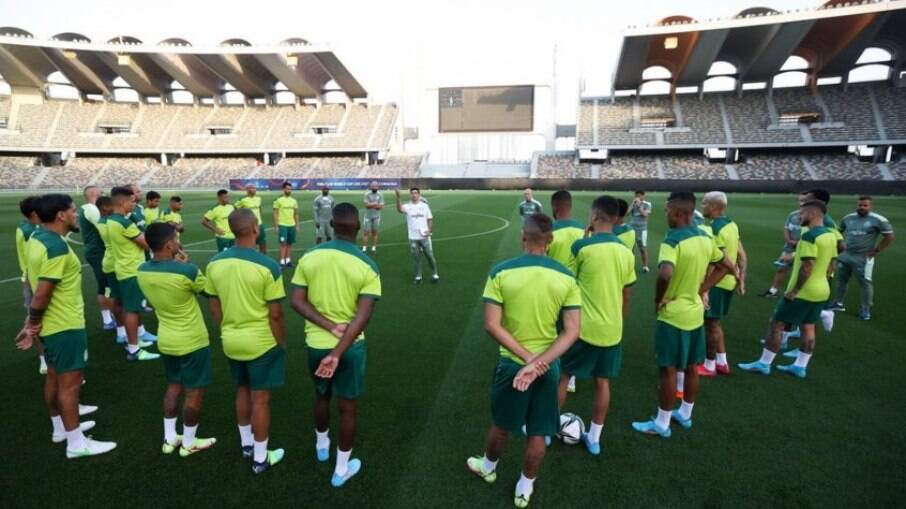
<point>217,221</point>
<point>623,231</point>
<point>152,207</point>
<point>172,215</point>
<point>252,201</point>
<point>336,287</point>
<point>28,208</point>
<point>286,223</point>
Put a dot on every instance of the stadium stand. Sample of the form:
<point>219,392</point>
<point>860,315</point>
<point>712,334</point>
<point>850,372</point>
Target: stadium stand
<point>691,166</point>
<point>217,172</point>
<point>843,167</point>
<point>396,166</point>
<point>585,125</point>
<point>851,107</point>
<point>631,166</point>
<point>898,169</point>
<point>772,166</point>
<point>17,172</point>
<point>562,166</point>
<point>337,167</point>
<point>892,107</point>
<point>703,120</point>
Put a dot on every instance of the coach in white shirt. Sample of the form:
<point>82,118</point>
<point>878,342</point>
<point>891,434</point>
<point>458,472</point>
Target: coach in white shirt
<point>420,223</point>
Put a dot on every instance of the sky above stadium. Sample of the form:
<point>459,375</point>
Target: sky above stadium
<point>399,48</point>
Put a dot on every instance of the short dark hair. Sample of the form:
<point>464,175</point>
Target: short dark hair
<point>177,199</point>
<point>158,234</point>
<point>865,197</point>
<point>607,206</point>
<point>152,195</point>
<point>640,192</point>
<point>345,210</point>
<point>104,201</point>
<point>624,207</point>
<point>222,192</point>
<point>682,199</point>
<point>561,197</point>
<point>120,191</point>
<point>818,204</point>
<point>52,204</point>
<point>286,184</point>
<point>820,194</point>
<point>419,191</point>
<point>29,205</point>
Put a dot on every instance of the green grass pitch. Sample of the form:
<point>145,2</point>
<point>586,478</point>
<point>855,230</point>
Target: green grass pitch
<point>835,439</point>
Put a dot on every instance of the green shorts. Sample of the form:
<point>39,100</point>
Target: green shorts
<point>224,244</point>
<point>131,295</point>
<point>797,312</point>
<point>96,262</point>
<point>323,230</point>
<point>66,350</point>
<point>718,303</point>
<point>371,224</point>
<point>262,373</point>
<point>262,235</point>
<point>537,408</point>
<point>113,286</point>
<point>287,235</point>
<point>678,348</point>
<point>584,360</point>
<point>192,370</point>
<point>348,380</point>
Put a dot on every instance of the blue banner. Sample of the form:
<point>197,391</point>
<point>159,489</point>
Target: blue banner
<point>339,184</point>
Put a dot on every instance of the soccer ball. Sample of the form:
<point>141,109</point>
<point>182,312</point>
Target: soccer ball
<point>571,428</point>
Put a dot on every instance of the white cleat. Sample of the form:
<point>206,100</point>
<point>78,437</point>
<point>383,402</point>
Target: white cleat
<point>827,319</point>
<point>571,386</point>
<point>373,249</point>
<point>87,409</point>
<point>61,437</point>
<point>92,448</point>
<point>364,248</point>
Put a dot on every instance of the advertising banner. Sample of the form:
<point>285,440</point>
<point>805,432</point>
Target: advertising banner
<point>338,184</point>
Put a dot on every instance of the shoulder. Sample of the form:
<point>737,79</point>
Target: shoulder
<point>249,255</point>
<point>349,249</point>
<point>525,261</point>
<point>813,233</point>
<point>188,270</point>
<point>878,217</point>
<point>720,223</point>
<point>601,238</point>
<point>53,243</point>
<point>674,237</point>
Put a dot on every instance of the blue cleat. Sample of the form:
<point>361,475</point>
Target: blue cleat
<point>323,454</point>
<point>248,451</point>
<point>650,427</point>
<point>865,314</point>
<point>756,367</point>
<point>791,354</point>
<point>147,336</point>
<point>796,333</point>
<point>121,340</point>
<point>594,448</point>
<point>676,417</point>
<point>793,370</point>
<point>271,459</point>
<point>547,441</point>
<point>352,468</point>
<point>109,325</point>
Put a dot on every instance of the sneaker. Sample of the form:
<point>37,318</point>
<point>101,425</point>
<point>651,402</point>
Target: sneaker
<point>571,386</point>
<point>418,280</point>
<point>723,369</point>
<point>435,279</point>
<point>677,418</point>
<point>703,371</point>
<point>198,445</point>
<point>779,263</point>
<point>522,499</point>
<point>141,355</point>
<point>61,437</point>
<point>836,307</point>
<point>594,448</point>
<point>121,340</point>
<point>769,294</point>
<point>42,368</point>
<point>147,336</point>
<point>322,454</point>
<point>248,451</point>
<point>756,367</point>
<point>646,270</point>
<point>111,325</point>
<point>87,409</point>
<point>792,354</point>
<point>475,464</point>
<point>92,448</point>
<point>792,369</point>
<point>827,320</point>
<point>650,427</point>
<point>169,448</point>
<point>273,457</point>
<point>865,314</point>
<point>352,468</point>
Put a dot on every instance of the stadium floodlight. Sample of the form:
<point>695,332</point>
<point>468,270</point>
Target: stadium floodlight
<point>292,60</point>
<point>671,42</point>
<point>122,59</point>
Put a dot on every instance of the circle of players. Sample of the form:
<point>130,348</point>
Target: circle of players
<point>557,310</point>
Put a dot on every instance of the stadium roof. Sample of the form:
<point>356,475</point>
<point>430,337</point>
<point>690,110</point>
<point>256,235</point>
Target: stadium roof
<point>758,41</point>
<point>150,69</point>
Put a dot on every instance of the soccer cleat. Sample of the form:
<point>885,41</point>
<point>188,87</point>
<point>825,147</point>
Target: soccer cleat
<point>141,355</point>
<point>865,314</point>
<point>168,448</point>
<point>198,445</point>
<point>322,454</point>
<point>435,278</point>
<point>792,354</point>
<point>723,369</point>
<point>352,468</point>
<point>42,368</point>
<point>779,263</point>
<point>768,294</point>
<point>373,249</point>
<point>795,333</point>
<point>475,464</point>
<point>273,457</point>
<point>679,394</point>
<point>92,448</point>
<point>571,386</point>
<point>650,427</point>
<point>594,448</point>
<point>247,451</point>
<point>783,343</point>
<point>121,340</point>
<point>364,248</point>
<point>836,307</point>
<point>827,320</point>
<point>289,264</point>
<point>147,336</point>
<point>109,325</point>
<point>703,371</point>
<point>645,269</point>
<point>792,369</point>
<point>87,409</point>
<point>522,499</point>
<point>418,280</point>
<point>676,417</point>
<point>756,367</point>
<point>61,437</point>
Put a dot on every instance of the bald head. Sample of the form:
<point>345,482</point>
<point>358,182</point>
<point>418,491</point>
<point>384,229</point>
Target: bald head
<point>243,223</point>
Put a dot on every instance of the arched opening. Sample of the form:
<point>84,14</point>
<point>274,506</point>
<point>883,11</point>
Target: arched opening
<point>179,94</point>
<point>284,97</point>
<point>790,79</point>
<point>59,87</point>
<point>722,68</point>
<point>874,55</point>
<point>233,97</point>
<point>719,84</point>
<point>657,87</point>
<point>125,95</point>
<point>871,72</point>
<point>656,72</point>
<point>794,63</point>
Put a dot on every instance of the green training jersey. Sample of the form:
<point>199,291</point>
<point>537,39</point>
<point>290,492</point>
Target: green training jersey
<point>252,203</point>
<point>726,235</point>
<point>529,207</point>
<point>376,198</point>
<point>322,208</point>
<point>151,214</point>
<point>286,207</point>
<point>127,255</point>
<point>336,275</point>
<point>566,232</point>
<point>626,234</point>
<point>532,290</point>
<point>89,215</point>
<point>23,233</point>
<point>171,288</point>
<point>245,281</point>
<point>604,267</point>
<point>819,244</point>
<point>219,215</point>
<point>138,217</point>
<point>50,258</point>
<point>862,232</point>
<point>690,250</point>
<point>169,216</point>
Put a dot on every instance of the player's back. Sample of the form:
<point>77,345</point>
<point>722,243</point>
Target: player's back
<point>690,250</point>
<point>566,232</point>
<point>726,235</point>
<point>171,288</point>
<point>819,244</point>
<point>604,266</point>
<point>626,234</point>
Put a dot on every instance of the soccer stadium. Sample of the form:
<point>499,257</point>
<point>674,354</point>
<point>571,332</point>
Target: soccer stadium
<point>653,267</point>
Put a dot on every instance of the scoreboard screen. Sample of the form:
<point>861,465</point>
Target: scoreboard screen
<point>486,109</point>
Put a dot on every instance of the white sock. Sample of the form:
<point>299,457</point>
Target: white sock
<point>170,430</point>
<point>773,289</point>
<point>342,461</point>
<point>188,435</point>
<point>245,435</point>
<point>57,422</point>
<point>75,439</point>
<point>525,486</point>
<point>802,359</point>
<point>767,356</point>
<point>106,315</point>
<point>663,418</point>
<point>488,465</point>
<point>685,410</point>
<point>721,359</point>
<point>141,330</point>
<point>42,361</point>
<point>132,348</point>
<point>594,431</point>
<point>120,331</point>
<point>322,439</point>
<point>680,381</point>
<point>710,364</point>
<point>260,451</point>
